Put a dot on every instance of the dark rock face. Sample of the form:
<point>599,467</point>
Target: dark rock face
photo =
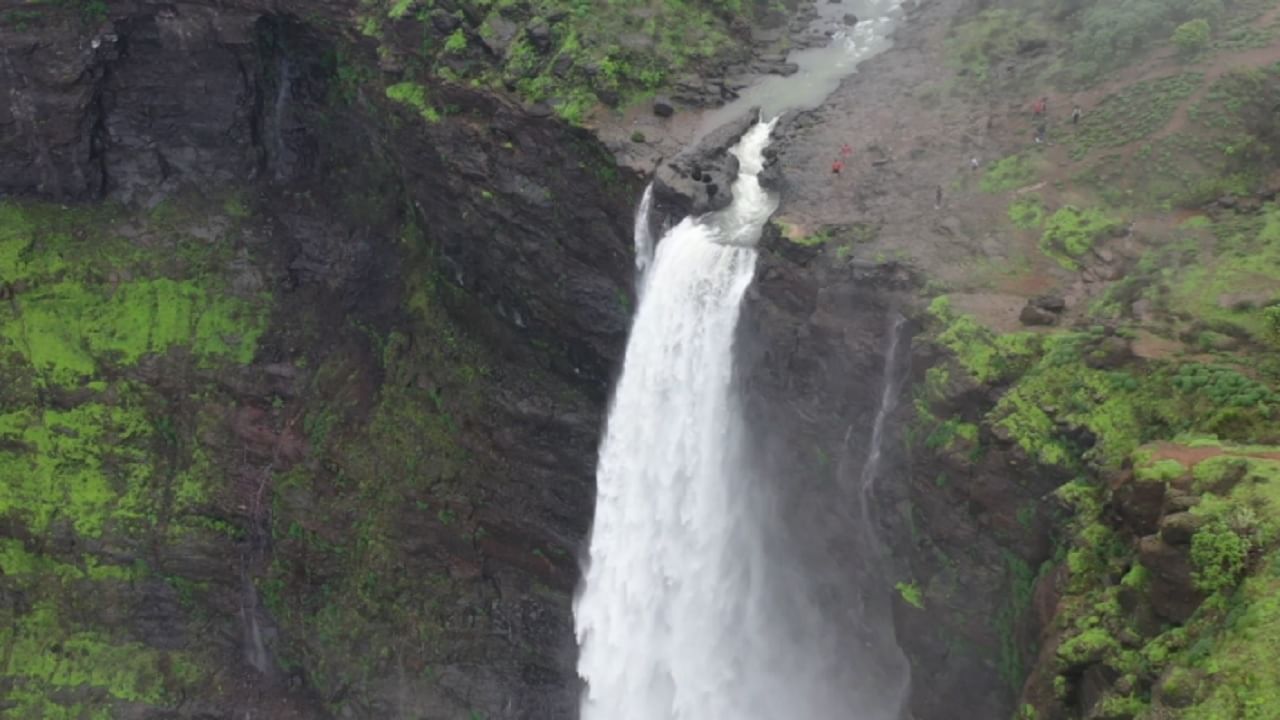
<point>98,110</point>
<point>812,351</point>
<point>698,180</point>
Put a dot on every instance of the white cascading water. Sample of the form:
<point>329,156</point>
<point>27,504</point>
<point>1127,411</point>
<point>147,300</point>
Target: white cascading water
<point>664,617</point>
<point>643,236</point>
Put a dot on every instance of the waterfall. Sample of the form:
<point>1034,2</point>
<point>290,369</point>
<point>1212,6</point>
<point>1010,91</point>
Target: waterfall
<point>644,236</point>
<point>691,605</point>
<point>665,620</point>
<point>873,617</point>
<point>891,384</point>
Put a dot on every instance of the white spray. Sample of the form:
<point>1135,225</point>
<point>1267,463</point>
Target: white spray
<point>644,237</point>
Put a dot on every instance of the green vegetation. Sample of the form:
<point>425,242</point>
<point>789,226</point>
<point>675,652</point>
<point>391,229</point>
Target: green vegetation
<point>821,237</point>
<point>68,327</point>
<point>1178,379</point>
<point>987,356</point>
<point>1192,36</point>
<point>910,594</point>
<point>1229,281</point>
<point>1218,554</point>
<point>1109,34</point>
<point>1133,113</point>
<point>1059,389</point>
<point>50,655</point>
<point>569,54</point>
<point>1207,667</point>
<point>1070,232</point>
<point>978,44</point>
<point>92,447</point>
<point>1009,173</point>
<point>415,96</point>
<point>1027,212</point>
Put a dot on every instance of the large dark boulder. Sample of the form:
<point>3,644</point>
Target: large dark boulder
<point>1172,592</point>
<point>698,180</point>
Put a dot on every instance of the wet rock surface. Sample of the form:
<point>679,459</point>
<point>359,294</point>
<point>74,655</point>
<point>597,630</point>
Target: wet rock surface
<point>699,179</point>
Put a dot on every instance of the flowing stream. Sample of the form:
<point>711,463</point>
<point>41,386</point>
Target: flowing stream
<point>688,610</point>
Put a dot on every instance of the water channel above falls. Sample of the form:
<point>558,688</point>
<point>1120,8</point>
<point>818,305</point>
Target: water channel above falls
<point>689,608</point>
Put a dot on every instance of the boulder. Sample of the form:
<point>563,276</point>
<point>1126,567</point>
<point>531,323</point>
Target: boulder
<point>562,65</point>
<point>662,107</point>
<point>539,36</point>
<point>1177,529</point>
<point>1032,46</point>
<point>498,34</point>
<point>444,23</point>
<point>850,19</point>
<point>1138,503</point>
<point>1052,303</point>
<point>697,181</point>
<point>1171,591</point>
<point>1109,352</point>
<point>1032,315</point>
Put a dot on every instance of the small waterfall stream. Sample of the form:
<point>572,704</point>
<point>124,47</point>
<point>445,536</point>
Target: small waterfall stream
<point>644,237</point>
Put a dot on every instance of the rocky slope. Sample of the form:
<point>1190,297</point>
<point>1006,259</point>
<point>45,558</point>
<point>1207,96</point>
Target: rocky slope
<point>1095,347</point>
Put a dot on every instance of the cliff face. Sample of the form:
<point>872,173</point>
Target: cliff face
<point>300,417</point>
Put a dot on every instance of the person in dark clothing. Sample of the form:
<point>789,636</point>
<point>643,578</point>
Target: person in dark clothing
<point>1040,133</point>
<point>1075,115</point>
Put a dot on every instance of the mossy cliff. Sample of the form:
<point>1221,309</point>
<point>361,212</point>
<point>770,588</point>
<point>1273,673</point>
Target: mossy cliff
<point>1095,409</point>
<point>300,381</point>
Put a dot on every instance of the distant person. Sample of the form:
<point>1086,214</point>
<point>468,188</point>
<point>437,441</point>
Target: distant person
<point>974,164</point>
<point>1075,115</point>
<point>1040,107</point>
<point>1040,133</point>
<point>837,166</point>
<point>937,198</point>
<point>845,150</point>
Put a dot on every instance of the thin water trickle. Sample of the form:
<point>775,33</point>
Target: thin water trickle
<point>644,236</point>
